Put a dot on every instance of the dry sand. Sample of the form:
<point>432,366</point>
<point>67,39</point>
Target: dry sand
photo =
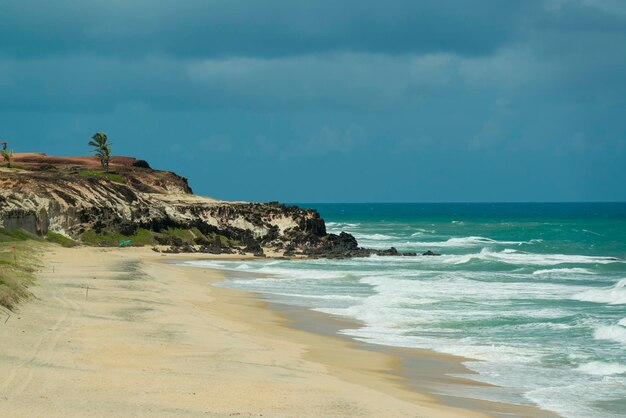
<point>118,332</point>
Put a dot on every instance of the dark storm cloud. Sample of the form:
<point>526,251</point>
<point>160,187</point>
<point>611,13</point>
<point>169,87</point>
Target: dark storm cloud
<point>582,16</point>
<point>71,55</point>
<point>256,28</point>
<point>478,87</point>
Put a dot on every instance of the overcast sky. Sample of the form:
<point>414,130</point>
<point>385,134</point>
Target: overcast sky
<point>330,101</point>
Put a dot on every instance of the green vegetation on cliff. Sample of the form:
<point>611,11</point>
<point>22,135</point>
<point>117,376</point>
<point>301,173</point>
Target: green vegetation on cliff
<point>178,236</point>
<point>112,238</point>
<point>114,177</point>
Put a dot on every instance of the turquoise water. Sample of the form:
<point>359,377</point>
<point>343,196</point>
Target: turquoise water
<point>536,293</point>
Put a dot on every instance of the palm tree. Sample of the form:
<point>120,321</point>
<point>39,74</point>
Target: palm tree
<point>102,148</point>
<point>7,156</point>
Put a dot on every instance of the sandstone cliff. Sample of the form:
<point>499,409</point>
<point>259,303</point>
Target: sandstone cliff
<point>71,196</point>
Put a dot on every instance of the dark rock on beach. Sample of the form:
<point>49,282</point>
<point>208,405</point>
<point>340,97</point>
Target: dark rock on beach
<point>390,252</point>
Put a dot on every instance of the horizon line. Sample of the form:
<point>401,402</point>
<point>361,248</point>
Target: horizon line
<point>458,202</point>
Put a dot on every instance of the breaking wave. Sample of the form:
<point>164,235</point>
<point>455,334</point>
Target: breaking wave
<point>613,333</point>
<point>510,256</point>
<point>600,368</point>
<point>615,295</point>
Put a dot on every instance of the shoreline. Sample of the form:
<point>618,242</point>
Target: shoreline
<point>423,371</point>
<point>127,332</point>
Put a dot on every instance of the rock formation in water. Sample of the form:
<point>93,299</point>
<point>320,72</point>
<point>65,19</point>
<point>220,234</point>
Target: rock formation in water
<point>73,197</point>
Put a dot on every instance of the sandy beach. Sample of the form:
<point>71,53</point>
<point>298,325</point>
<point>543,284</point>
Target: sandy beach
<point>124,333</point>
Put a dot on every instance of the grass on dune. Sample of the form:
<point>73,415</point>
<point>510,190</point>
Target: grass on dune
<point>16,274</point>
<point>17,267</point>
<point>60,239</point>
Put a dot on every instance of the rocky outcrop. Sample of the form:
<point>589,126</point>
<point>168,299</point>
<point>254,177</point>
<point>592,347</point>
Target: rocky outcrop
<point>71,196</point>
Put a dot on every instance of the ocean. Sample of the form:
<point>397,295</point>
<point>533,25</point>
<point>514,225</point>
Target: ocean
<point>534,292</point>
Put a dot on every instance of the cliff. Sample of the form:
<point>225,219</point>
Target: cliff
<point>73,197</point>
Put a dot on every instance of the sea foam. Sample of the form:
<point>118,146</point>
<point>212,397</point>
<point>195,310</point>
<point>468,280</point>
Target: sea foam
<point>575,270</point>
<point>611,333</point>
<point>600,368</point>
<point>375,237</point>
<point>615,295</point>
<point>462,242</point>
<point>510,256</point>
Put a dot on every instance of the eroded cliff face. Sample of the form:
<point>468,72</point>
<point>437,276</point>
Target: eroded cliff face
<point>72,196</point>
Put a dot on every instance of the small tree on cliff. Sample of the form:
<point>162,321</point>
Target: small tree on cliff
<point>7,156</point>
<point>102,148</point>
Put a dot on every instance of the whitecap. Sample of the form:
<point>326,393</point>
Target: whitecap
<point>422,231</point>
<point>375,237</point>
<point>326,297</point>
<point>576,270</point>
<point>219,264</point>
<point>307,274</point>
<point>460,242</point>
<point>383,334</point>
<point>576,398</point>
<point>615,295</point>
<point>600,368</point>
<point>594,233</point>
<point>243,266</point>
<point>341,225</point>
<point>611,333</point>
<point>510,256</point>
